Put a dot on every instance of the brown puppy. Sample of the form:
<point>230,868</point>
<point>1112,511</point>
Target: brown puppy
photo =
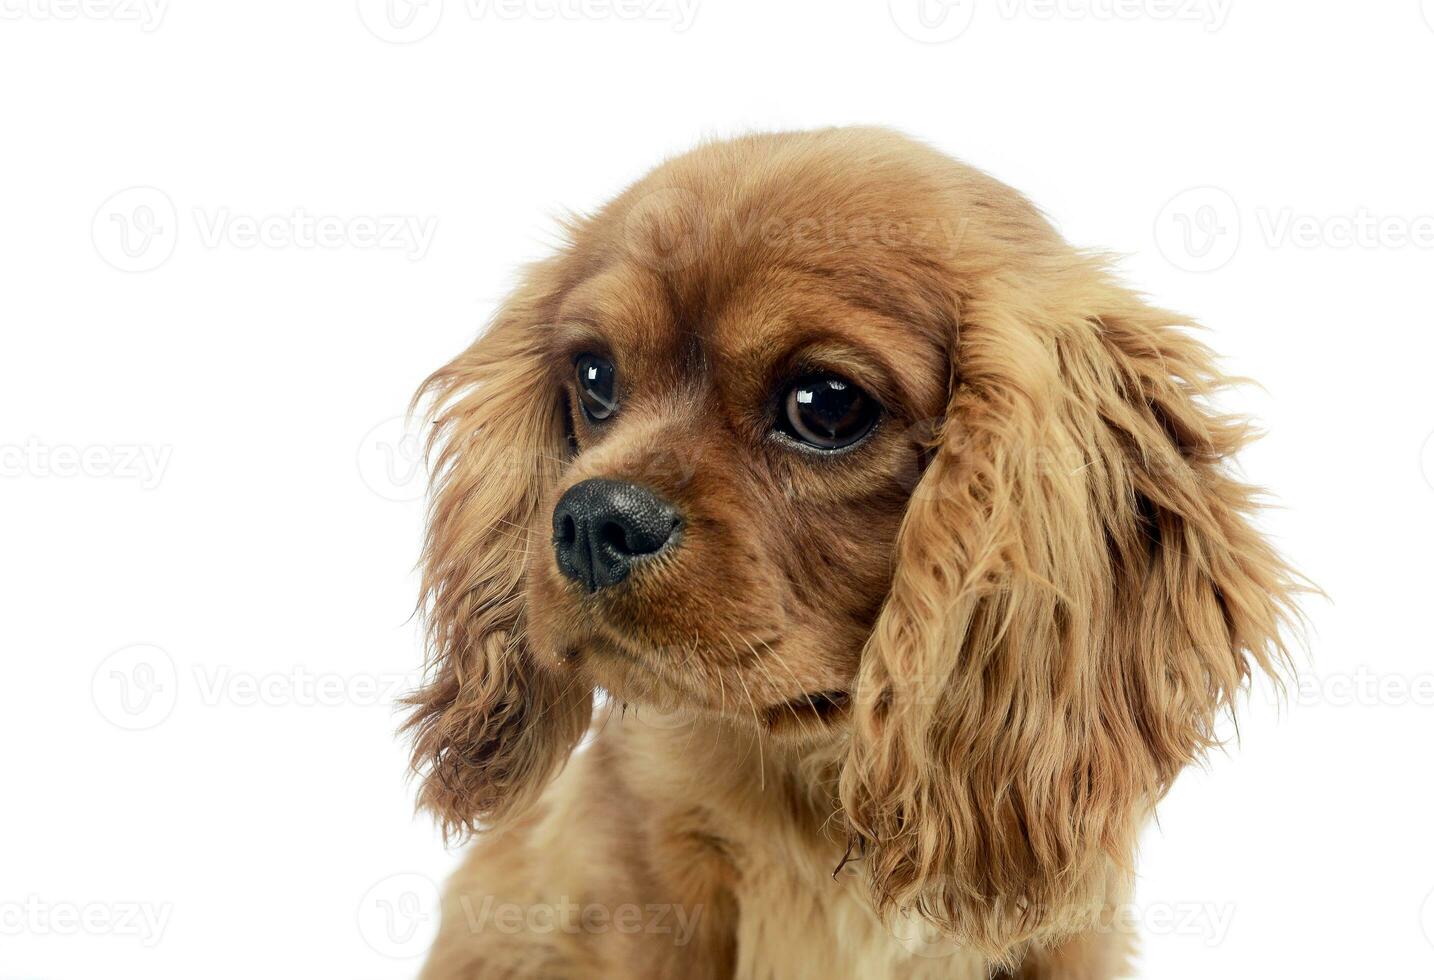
<point>902,541</point>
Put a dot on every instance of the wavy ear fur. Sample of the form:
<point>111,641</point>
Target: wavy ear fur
<point>491,726</point>
<point>1079,592</point>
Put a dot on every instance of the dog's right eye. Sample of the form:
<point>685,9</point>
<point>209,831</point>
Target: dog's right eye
<point>597,387</point>
<point>827,412</point>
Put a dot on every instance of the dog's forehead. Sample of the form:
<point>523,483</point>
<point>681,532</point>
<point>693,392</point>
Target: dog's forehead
<point>704,271</point>
<point>628,310</point>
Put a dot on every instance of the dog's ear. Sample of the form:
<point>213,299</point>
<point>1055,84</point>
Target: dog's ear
<point>491,725</point>
<point>1078,593</point>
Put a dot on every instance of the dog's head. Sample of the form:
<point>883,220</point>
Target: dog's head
<point>834,435</point>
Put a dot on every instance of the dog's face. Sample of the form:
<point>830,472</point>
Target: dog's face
<point>744,436</point>
<point>836,437</point>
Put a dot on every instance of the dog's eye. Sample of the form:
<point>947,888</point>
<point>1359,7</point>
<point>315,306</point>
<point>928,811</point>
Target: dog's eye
<point>597,387</point>
<point>828,412</point>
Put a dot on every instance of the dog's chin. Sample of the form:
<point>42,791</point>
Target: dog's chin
<point>632,677</point>
<point>690,681</point>
<point>663,692</point>
<point>677,687</point>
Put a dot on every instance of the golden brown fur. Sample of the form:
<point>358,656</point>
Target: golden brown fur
<point>1029,592</point>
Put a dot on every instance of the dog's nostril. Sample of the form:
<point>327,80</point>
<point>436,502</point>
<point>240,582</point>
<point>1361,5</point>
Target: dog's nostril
<point>567,531</point>
<point>614,535</point>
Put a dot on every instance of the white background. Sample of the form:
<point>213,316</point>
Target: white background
<point>209,515</point>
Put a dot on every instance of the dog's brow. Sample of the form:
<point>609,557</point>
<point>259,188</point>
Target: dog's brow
<point>576,330</point>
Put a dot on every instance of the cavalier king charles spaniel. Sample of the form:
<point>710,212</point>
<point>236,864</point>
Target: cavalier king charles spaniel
<point>828,569</point>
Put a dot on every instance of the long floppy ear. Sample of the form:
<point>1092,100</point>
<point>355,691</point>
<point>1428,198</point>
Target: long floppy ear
<point>491,725</point>
<point>1078,593</point>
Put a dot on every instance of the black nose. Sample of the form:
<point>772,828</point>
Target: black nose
<point>602,527</point>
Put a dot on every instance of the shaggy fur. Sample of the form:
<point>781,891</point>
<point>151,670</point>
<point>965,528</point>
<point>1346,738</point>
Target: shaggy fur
<point>899,711</point>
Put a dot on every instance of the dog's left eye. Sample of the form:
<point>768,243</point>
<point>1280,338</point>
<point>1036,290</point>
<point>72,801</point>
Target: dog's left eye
<point>597,387</point>
<point>827,412</point>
